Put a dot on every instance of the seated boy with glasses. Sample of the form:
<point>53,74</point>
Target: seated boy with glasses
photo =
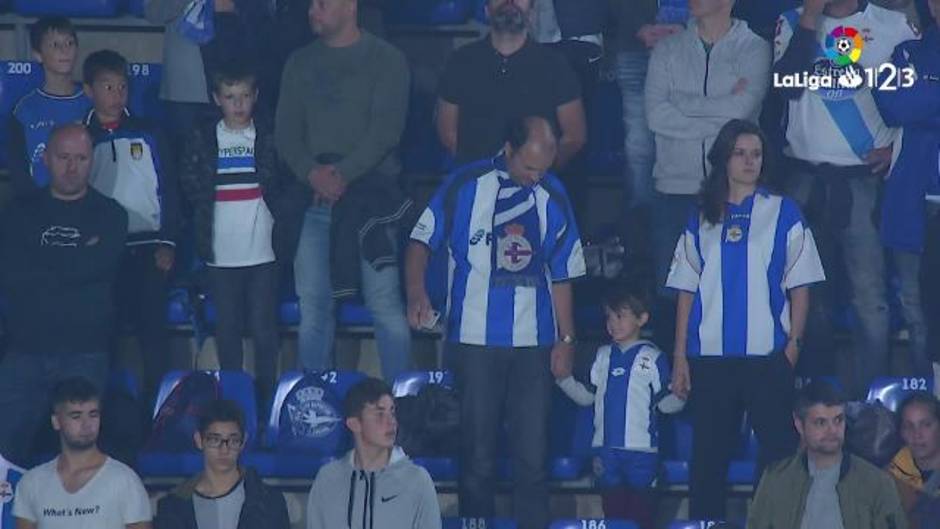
<point>224,494</point>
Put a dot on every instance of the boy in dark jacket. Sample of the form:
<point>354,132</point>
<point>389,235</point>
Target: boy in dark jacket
<point>224,494</point>
<point>133,166</point>
<point>230,176</point>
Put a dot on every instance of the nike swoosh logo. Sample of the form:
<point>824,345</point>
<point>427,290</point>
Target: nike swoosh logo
<point>388,499</point>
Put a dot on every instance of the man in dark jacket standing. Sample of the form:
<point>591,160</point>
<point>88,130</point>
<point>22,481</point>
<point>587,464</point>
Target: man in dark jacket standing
<point>60,251</point>
<point>822,486</point>
<point>224,495</point>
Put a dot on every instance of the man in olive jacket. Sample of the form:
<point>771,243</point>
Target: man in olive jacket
<point>823,487</point>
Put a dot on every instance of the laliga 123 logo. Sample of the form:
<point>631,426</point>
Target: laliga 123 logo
<point>839,72</point>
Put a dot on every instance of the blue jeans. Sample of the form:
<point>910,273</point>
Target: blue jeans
<point>26,383</point>
<point>908,268</point>
<point>639,147</point>
<point>381,291</point>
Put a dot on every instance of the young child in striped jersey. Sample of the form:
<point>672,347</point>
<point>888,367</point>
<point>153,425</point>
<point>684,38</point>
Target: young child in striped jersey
<point>628,383</point>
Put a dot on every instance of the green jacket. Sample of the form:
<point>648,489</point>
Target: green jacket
<point>867,496</point>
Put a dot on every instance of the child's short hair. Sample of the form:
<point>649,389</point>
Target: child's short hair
<point>232,73</point>
<point>46,25</point>
<point>103,61</point>
<point>221,410</point>
<point>627,295</point>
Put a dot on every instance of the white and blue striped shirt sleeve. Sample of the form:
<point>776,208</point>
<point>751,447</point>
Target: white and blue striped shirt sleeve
<point>803,265</point>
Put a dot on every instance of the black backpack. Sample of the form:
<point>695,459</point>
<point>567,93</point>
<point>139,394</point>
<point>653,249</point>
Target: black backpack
<point>872,432</point>
<point>429,422</point>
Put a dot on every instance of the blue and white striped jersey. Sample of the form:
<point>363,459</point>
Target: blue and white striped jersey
<point>740,272</point>
<point>10,475</point>
<point>629,382</point>
<point>841,125</point>
<point>486,303</point>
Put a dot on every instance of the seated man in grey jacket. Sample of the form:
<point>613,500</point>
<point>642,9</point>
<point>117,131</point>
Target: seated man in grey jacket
<point>375,485</point>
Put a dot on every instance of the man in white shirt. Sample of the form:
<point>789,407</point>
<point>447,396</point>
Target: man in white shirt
<point>82,488</point>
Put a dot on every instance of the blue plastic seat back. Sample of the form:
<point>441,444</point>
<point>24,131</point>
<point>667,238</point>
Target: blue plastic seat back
<point>478,523</point>
<point>593,523</point>
<point>237,386</point>
<point>144,91</point>
<point>892,391</point>
<point>136,7</point>
<point>570,428</point>
<point>693,524</point>
<point>17,78</point>
<point>68,8</point>
<point>307,415</point>
<point>411,383</point>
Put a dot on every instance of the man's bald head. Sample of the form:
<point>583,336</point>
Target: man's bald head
<point>531,147</point>
<point>68,157</point>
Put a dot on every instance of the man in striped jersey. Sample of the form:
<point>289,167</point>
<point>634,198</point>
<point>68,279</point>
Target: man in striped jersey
<point>10,475</point>
<point>513,247</point>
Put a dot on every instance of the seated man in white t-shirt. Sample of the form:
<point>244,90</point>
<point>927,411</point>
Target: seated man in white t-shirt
<point>82,488</point>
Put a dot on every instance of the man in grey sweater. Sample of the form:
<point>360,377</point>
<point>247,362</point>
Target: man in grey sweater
<point>376,485</point>
<point>340,116</point>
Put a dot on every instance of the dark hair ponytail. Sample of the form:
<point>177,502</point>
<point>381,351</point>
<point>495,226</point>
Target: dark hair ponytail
<point>714,193</point>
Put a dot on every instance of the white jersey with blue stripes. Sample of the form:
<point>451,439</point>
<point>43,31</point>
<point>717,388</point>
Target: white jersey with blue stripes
<point>479,311</point>
<point>740,271</point>
<point>841,125</point>
<point>10,475</point>
<point>629,382</point>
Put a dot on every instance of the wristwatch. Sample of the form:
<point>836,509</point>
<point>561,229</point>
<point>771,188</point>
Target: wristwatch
<point>568,339</point>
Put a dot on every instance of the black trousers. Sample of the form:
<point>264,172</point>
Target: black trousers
<point>722,390</point>
<point>141,303</point>
<point>251,293</point>
<point>517,382</point>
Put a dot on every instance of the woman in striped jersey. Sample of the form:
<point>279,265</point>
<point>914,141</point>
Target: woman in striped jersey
<point>742,268</point>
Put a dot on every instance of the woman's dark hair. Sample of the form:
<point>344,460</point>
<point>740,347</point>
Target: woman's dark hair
<point>923,398</point>
<point>714,192</point>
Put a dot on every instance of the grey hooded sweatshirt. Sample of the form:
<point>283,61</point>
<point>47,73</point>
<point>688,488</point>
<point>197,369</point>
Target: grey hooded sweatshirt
<point>399,496</point>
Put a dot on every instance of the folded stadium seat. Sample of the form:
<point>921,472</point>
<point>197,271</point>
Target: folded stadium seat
<point>692,524</point>
<point>440,468</point>
<point>892,391</point>
<point>478,523</point>
<point>123,380</point>
<point>17,78</point>
<point>353,314</point>
<point>428,12</point>
<point>306,428</point>
<point>675,448</point>
<point>605,134</point>
<point>68,8</point>
<point>144,91</point>
<point>136,7</point>
<point>179,309</point>
<point>593,523</point>
<point>238,386</point>
<point>479,13</point>
<point>288,311</point>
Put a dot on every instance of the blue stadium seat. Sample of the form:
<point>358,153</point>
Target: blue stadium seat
<point>17,78</point>
<point>136,7</point>
<point>421,149</point>
<point>692,524</point>
<point>144,91</point>
<point>676,452</point>
<point>305,429</point>
<point>593,523</point>
<point>124,381</point>
<point>411,383</point>
<point>179,309</point>
<point>353,315</point>
<point>440,468</point>
<point>571,430</point>
<point>69,8</point>
<point>233,385</point>
<point>479,13</point>
<point>289,311</point>
<point>892,391</point>
<point>479,523</point>
<point>605,135</point>
<point>429,12</point>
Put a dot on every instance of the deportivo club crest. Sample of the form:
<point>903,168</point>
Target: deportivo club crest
<point>137,150</point>
<point>513,251</point>
<point>6,492</point>
<point>735,234</point>
<point>310,416</point>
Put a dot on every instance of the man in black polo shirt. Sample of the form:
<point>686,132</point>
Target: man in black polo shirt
<point>504,75</point>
